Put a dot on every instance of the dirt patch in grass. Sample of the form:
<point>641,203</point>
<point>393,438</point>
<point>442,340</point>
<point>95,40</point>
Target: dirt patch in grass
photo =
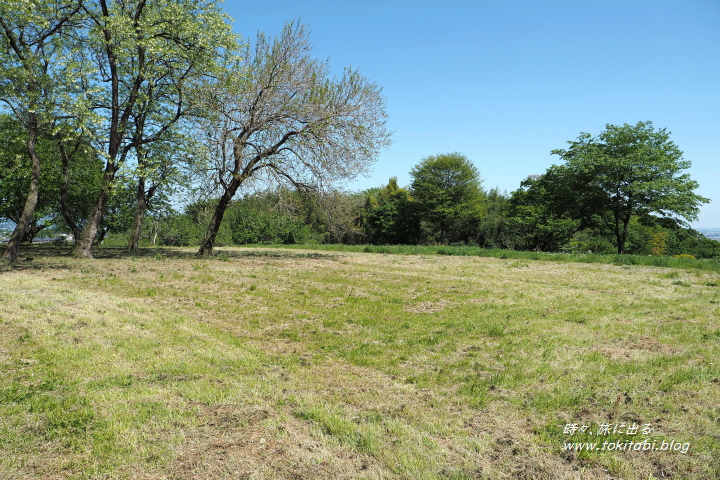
<point>428,307</point>
<point>641,348</point>
<point>255,443</point>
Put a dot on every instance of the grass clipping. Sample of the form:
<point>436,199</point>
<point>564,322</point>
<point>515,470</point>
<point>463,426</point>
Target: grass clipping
<point>292,364</point>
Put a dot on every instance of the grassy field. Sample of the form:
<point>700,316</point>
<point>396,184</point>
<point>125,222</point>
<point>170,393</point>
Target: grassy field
<point>299,364</point>
<point>678,261</point>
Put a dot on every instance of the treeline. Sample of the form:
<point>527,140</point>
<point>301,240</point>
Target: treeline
<point>112,117</point>
<point>268,218</point>
<point>445,204</point>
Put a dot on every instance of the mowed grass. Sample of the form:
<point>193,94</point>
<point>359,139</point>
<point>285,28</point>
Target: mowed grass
<point>270,363</point>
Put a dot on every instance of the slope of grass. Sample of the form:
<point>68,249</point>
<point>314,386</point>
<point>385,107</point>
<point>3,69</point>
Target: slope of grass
<point>277,363</point>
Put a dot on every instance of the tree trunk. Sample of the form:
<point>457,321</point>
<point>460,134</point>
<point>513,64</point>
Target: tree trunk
<point>32,230</point>
<point>118,122</point>
<point>83,248</point>
<point>139,213</point>
<point>622,238</point>
<point>65,210</point>
<point>212,230</point>
<point>13,247</point>
<point>101,236</point>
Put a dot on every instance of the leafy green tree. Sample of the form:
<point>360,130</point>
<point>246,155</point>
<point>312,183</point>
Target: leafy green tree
<point>390,215</point>
<point>692,242</point>
<point>590,240</point>
<point>80,175</point>
<point>336,215</point>
<point>16,171</point>
<point>119,212</point>
<point>148,55</point>
<point>36,76</point>
<point>542,212</point>
<point>71,170</point>
<point>630,170</point>
<point>495,230</point>
<point>271,217</point>
<point>447,189</point>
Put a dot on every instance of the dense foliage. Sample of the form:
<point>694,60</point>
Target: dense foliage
<point>163,91</point>
<point>63,198</point>
<point>625,172</point>
<point>538,216</point>
<point>449,197</point>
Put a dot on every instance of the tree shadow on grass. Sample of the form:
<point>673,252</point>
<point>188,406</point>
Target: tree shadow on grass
<point>271,253</point>
<point>52,256</point>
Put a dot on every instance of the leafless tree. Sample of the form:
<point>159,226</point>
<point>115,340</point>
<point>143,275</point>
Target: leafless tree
<point>282,117</point>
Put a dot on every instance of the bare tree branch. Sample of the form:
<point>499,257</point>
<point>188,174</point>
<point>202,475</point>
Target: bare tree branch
<point>288,116</point>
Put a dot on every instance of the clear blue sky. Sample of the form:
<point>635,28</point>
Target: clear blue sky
<point>506,81</point>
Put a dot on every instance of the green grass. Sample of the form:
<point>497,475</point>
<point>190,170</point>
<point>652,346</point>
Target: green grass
<point>647,260</point>
<point>289,363</point>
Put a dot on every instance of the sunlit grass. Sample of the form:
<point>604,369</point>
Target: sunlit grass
<point>647,260</point>
<point>267,363</point>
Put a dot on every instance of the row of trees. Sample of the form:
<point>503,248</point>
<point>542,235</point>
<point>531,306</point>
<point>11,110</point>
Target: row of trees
<point>623,190</point>
<point>626,187</point>
<point>157,97</point>
<point>589,203</point>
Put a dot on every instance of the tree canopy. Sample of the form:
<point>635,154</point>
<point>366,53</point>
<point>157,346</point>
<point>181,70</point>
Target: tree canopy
<point>448,189</point>
<point>36,82</point>
<point>629,170</point>
<point>390,215</point>
<point>284,118</point>
<point>70,171</point>
<point>147,55</point>
<point>543,211</point>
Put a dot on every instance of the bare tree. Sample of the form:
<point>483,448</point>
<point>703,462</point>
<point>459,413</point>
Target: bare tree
<point>284,118</point>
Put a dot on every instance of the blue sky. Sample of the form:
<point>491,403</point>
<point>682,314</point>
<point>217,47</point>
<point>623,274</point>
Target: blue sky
<point>506,81</point>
